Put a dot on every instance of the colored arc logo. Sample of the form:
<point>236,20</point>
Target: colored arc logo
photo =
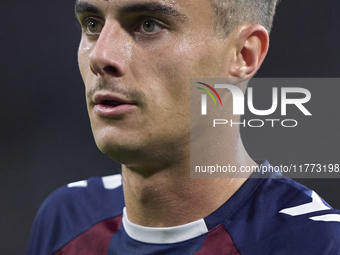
<point>208,92</point>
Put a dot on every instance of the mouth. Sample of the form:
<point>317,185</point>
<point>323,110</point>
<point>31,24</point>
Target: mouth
<point>111,103</point>
<point>108,105</point>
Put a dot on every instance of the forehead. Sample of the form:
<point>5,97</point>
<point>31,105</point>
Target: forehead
<point>180,8</point>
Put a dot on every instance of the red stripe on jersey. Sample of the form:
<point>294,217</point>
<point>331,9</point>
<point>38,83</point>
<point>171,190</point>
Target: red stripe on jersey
<point>218,241</point>
<point>96,240</point>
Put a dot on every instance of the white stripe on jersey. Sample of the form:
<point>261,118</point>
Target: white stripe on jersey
<point>112,181</point>
<point>79,184</point>
<point>327,217</point>
<point>314,206</point>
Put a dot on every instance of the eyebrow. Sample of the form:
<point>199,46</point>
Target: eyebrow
<point>83,7</point>
<point>149,7</point>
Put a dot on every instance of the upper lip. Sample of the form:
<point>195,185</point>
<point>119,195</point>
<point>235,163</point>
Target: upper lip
<point>101,97</point>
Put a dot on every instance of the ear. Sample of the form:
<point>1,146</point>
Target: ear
<point>251,48</point>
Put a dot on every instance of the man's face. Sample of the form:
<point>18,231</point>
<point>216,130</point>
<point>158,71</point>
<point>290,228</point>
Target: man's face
<point>136,59</point>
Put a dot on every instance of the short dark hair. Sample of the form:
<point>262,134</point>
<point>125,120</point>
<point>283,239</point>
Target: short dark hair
<point>230,14</point>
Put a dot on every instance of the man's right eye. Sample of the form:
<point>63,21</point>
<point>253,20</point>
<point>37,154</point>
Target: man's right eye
<point>92,27</point>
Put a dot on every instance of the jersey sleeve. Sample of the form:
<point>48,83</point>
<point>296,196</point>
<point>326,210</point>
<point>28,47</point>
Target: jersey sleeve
<point>72,210</point>
<point>46,225</point>
<point>312,238</point>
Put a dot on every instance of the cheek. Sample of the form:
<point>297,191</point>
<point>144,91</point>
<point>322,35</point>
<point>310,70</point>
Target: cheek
<point>196,56</point>
<point>188,60</point>
<point>174,68</point>
<point>83,59</point>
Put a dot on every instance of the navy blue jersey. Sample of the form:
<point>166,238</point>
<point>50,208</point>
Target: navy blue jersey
<point>265,216</point>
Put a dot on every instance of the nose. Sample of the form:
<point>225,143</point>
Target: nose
<point>109,55</point>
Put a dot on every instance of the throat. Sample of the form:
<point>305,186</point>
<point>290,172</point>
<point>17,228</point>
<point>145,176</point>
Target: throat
<point>164,200</point>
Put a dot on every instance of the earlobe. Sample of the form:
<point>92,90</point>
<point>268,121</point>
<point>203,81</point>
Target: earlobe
<point>252,47</point>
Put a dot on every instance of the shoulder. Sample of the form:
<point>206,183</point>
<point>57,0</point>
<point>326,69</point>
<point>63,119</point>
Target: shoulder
<point>94,196</point>
<point>301,221</point>
<point>73,209</point>
<point>281,215</point>
<point>308,222</point>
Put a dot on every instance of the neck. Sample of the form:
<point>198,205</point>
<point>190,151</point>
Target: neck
<point>169,197</point>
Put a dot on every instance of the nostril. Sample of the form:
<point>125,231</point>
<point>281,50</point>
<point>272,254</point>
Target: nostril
<point>110,70</point>
<point>93,71</point>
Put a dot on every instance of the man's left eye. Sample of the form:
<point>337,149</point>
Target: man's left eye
<point>149,26</point>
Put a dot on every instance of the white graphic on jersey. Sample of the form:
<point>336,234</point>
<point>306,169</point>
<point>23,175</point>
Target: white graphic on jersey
<point>80,184</point>
<point>314,206</point>
<point>327,217</point>
<point>112,181</point>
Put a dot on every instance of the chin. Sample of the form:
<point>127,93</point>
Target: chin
<point>122,151</point>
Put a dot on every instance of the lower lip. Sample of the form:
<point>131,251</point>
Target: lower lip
<point>111,111</point>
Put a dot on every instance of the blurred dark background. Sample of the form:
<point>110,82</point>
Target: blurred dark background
<point>46,141</point>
